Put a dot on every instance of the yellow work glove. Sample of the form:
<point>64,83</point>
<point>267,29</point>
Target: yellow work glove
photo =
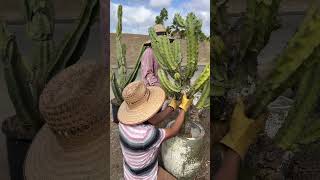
<point>185,103</point>
<point>243,131</point>
<point>173,104</point>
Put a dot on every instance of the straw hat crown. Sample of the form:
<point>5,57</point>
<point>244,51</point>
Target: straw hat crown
<point>73,103</point>
<point>159,28</point>
<point>135,94</point>
<point>140,102</point>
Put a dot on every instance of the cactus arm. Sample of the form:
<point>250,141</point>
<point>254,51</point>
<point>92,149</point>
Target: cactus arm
<point>204,76</point>
<point>169,85</point>
<point>311,132</point>
<point>17,75</point>
<point>156,46</point>
<point>73,45</point>
<point>134,73</point>
<point>192,26</point>
<point>116,89</point>
<point>305,103</point>
<point>297,57</point>
<point>265,93</point>
<point>121,52</point>
<point>204,98</point>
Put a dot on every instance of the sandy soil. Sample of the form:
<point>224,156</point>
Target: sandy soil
<point>116,171</point>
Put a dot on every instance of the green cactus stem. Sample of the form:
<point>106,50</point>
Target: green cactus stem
<point>204,100</point>
<point>305,103</point>
<point>121,79</point>
<point>297,57</point>
<point>26,78</point>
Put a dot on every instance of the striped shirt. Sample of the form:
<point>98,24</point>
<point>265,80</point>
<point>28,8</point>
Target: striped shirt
<point>140,146</point>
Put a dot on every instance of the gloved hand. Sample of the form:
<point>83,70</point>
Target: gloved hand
<point>185,103</point>
<point>173,103</point>
<point>243,131</point>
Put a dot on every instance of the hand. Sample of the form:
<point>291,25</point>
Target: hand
<point>185,103</point>
<point>243,131</point>
<point>173,103</point>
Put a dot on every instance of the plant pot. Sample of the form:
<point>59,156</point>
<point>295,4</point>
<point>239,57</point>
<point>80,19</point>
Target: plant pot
<point>115,107</point>
<point>17,147</point>
<point>182,156</point>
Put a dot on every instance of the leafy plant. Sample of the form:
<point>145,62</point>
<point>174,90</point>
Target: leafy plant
<point>173,77</point>
<point>26,78</point>
<point>162,17</point>
<point>122,79</point>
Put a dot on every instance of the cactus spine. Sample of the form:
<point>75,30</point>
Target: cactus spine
<point>120,80</point>
<point>173,78</point>
<point>26,78</point>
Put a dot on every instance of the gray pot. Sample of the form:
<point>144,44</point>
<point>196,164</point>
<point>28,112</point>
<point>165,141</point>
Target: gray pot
<point>182,156</point>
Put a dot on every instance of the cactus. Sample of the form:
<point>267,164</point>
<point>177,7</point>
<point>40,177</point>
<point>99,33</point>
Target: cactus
<point>295,59</point>
<point>173,77</point>
<point>26,78</point>
<point>120,80</point>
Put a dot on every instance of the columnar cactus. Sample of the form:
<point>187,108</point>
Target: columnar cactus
<point>26,78</point>
<point>122,79</point>
<point>173,77</point>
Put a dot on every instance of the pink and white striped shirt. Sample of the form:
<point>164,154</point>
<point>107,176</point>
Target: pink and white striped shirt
<point>140,147</point>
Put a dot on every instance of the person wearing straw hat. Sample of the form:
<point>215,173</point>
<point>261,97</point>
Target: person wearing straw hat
<point>72,144</point>
<point>149,64</point>
<point>140,140</point>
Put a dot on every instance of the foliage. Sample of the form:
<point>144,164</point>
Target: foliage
<point>162,17</point>
<point>26,78</point>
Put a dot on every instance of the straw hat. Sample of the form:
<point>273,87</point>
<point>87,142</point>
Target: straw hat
<point>140,103</point>
<point>159,28</point>
<point>72,145</point>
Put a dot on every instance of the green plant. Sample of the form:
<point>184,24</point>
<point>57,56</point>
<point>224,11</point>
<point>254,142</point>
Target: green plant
<point>162,17</point>
<point>297,66</point>
<point>26,78</point>
<point>122,79</point>
<point>179,27</point>
<point>173,77</point>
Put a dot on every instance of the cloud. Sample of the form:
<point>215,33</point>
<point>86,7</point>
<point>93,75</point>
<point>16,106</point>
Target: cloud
<point>135,19</point>
<point>138,17</point>
<point>160,3</point>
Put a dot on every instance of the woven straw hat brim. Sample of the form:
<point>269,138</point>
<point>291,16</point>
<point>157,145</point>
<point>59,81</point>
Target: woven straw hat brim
<point>144,111</point>
<point>46,160</point>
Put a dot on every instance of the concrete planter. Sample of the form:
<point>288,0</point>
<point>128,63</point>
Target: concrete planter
<point>182,156</point>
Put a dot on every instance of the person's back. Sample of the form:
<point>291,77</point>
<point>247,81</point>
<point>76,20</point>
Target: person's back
<point>140,146</point>
<point>140,140</point>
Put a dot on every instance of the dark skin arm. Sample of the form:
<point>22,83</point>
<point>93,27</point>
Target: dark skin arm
<point>160,116</point>
<point>230,166</point>
<point>175,128</point>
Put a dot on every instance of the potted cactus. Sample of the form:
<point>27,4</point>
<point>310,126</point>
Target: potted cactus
<point>122,78</point>
<point>297,68</point>
<point>182,154</point>
<point>26,78</point>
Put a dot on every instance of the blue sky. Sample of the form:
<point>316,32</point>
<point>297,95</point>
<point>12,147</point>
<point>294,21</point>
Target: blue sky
<point>139,15</point>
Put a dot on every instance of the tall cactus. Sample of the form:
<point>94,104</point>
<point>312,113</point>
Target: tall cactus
<point>173,77</point>
<point>26,78</point>
<point>120,80</point>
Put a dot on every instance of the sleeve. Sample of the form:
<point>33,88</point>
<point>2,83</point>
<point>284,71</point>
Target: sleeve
<point>147,67</point>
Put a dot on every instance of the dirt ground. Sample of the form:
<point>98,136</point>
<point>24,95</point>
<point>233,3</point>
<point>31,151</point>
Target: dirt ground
<point>116,171</point>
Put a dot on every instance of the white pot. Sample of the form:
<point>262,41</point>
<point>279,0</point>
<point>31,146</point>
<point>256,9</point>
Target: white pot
<point>182,156</point>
